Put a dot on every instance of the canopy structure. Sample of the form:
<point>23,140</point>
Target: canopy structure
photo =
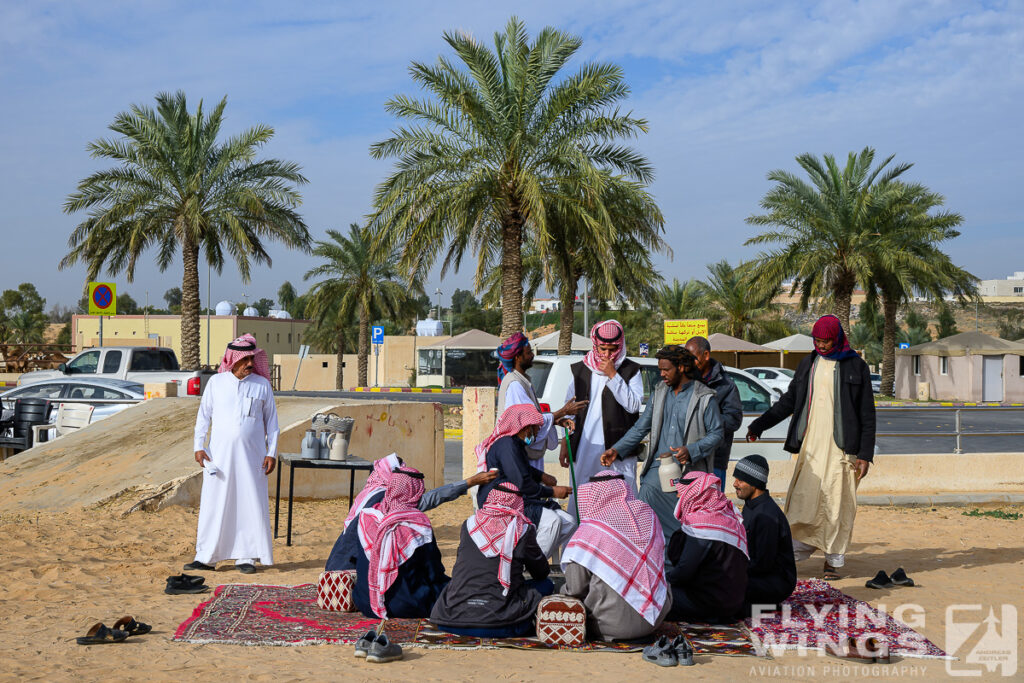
<point>794,342</point>
<point>476,340</point>
<point>974,343</point>
<point>466,359</point>
<point>740,353</point>
<point>547,345</point>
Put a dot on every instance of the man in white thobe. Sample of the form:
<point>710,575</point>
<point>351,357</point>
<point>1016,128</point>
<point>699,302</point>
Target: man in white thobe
<point>234,511</point>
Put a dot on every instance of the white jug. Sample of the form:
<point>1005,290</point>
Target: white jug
<point>669,473</point>
<point>339,447</point>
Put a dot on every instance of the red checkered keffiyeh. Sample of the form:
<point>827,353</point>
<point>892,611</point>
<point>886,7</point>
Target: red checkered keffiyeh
<point>620,540</point>
<point>241,348</point>
<point>391,531</point>
<point>497,527</point>
<point>375,483</point>
<point>510,422</point>
<point>705,512</point>
<point>607,332</point>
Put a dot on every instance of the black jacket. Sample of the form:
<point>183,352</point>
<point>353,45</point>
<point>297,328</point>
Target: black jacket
<point>712,574</point>
<point>732,410</point>
<point>771,574</point>
<point>856,405</point>
<point>508,454</point>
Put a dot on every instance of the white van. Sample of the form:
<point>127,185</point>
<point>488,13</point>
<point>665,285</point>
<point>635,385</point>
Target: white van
<point>551,376</point>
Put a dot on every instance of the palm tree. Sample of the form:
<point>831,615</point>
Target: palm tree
<point>505,143</point>
<point>178,189</point>
<point>826,229</point>
<point>681,301</point>
<point>359,283</point>
<point>906,261</point>
<point>743,311</point>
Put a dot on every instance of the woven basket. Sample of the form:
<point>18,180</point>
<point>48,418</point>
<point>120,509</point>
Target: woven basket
<point>339,425</point>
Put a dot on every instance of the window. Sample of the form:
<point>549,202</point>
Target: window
<point>85,364</point>
<point>430,362</point>
<point>917,365</point>
<point>85,392</point>
<point>753,397</point>
<point>112,362</point>
<point>538,374</point>
<point>152,359</point>
<point>43,390</point>
<point>1018,290</point>
<point>289,337</point>
<point>323,364</point>
<point>944,365</point>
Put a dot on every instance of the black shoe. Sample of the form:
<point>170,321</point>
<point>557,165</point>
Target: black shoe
<point>199,566</point>
<point>246,568</point>
<point>881,580</point>
<point>185,585</point>
<point>900,578</point>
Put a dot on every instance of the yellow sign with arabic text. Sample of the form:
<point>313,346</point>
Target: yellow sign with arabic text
<point>682,331</point>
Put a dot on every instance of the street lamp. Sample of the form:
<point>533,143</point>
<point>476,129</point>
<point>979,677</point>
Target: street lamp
<point>438,293</point>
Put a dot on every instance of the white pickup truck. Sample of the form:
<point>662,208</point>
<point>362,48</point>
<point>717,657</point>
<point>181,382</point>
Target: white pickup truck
<point>132,363</point>
<point>551,376</point>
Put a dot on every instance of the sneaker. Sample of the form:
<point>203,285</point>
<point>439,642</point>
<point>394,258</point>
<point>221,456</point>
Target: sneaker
<point>198,566</point>
<point>684,652</point>
<point>383,650</point>
<point>661,653</point>
<point>881,580</point>
<point>364,643</point>
<point>246,568</point>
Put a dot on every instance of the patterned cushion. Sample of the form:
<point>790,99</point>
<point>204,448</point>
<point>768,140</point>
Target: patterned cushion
<point>334,590</point>
<point>562,620</point>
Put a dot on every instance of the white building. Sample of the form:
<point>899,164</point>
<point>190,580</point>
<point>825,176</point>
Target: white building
<point>1013,285</point>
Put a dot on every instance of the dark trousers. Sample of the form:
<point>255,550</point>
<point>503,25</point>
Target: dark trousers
<point>527,627</point>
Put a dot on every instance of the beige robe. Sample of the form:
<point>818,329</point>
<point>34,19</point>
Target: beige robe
<point>822,500</point>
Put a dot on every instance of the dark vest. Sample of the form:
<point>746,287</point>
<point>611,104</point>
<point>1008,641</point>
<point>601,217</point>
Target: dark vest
<point>614,418</point>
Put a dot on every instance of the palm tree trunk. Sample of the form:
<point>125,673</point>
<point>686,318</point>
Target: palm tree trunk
<point>843,293</point>
<point>364,345</point>
<point>512,273</point>
<point>190,306</point>
<point>889,307</point>
<point>566,315</point>
<point>339,380</point>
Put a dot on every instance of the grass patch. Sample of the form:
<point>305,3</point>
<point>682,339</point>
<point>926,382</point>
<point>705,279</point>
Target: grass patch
<point>996,514</point>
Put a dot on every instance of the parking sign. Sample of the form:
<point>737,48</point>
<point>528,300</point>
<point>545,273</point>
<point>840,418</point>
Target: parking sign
<point>377,335</point>
<point>644,349</point>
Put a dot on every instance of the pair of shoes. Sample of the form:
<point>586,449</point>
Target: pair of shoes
<point>132,627</point>
<point>883,580</point>
<point>364,643</point>
<point>198,566</point>
<point>665,652</point>
<point>246,568</point>
<point>183,584</point>
<point>873,651</point>
<point>381,650</point>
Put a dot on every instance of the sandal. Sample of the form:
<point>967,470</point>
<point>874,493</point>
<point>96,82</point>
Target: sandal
<point>101,635</point>
<point>132,627</point>
<point>829,573</point>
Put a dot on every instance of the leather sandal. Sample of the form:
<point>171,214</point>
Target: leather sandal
<point>829,573</point>
<point>132,627</point>
<point>99,634</point>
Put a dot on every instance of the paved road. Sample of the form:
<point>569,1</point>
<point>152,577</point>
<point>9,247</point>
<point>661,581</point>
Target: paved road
<point>910,420</point>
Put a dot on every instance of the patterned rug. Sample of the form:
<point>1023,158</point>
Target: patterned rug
<point>246,614</point>
<point>819,616</point>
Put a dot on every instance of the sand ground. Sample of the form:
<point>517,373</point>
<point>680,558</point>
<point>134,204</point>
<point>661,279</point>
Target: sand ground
<point>63,571</point>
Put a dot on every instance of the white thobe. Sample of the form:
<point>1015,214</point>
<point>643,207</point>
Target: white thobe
<point>547,433</point>
<point>234,511</point>
<point>587,455</point>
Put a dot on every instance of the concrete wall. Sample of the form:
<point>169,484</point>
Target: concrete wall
<point>962,382</point>
<point>396,365</point>
<point>318,371</point>
<point>272,334</point>
<point>414,430</point>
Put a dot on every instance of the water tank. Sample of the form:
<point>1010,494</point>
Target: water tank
<point>225,308</point>
<point>251,312</point>
<point>429,328</point>
<point>283,315</point>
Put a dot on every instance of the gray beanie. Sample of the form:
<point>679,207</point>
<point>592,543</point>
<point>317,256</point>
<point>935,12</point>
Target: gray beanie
<point>753,469</point>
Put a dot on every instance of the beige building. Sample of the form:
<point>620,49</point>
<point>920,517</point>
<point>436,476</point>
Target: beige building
<point>275,335</point>
<point>970,366</point>
<point>1012,287</point>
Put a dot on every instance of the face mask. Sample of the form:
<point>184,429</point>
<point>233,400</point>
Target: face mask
<point>528,440</point>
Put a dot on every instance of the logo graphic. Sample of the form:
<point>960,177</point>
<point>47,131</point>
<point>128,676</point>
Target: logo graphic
<point>981,642</point>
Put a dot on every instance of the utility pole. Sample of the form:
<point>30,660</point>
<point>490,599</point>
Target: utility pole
<point>586,307</point>
<point>438,309</point>
<point>208,309</point>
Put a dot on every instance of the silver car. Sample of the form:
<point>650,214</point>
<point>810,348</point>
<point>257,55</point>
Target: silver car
<point>77,390</point>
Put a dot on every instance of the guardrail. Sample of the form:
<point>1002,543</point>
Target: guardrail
<point>958,433</point>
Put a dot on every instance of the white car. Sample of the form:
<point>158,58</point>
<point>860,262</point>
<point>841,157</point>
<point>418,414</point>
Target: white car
<point>97,391</point>
<point>551,376</point>
<point>776,378</point>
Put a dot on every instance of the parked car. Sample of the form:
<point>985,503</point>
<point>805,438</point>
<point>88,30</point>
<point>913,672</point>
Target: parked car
<point>876,383</point>
<point>131,363</point>
<point>776,378</point>
<point>551,376</point>
<point>77,390</point>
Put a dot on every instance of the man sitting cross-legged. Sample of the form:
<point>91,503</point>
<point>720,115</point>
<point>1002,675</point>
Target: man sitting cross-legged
<point>487,596</point>
<point>615,561</point>
<point>771,575</point>
<point>399,572</point>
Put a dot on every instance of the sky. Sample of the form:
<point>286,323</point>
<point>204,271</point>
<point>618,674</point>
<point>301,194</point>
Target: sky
<point>731,91</point>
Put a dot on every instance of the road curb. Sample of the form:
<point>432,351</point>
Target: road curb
<point>452,433</point>
<point>403,390</point>
<point>943,500</point>
<point>944,404</point>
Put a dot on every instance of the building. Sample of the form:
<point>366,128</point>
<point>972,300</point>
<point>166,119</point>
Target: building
<point>467,359</point>
<point>274,335</point>
<point>970,366</point>
<point>1011,287</point>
